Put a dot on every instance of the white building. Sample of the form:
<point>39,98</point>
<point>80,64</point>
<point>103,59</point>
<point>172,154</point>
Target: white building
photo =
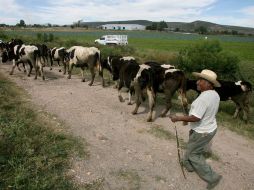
<point>123,27</point>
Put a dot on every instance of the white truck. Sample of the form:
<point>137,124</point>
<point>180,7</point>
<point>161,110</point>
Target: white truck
<point>112,40</point>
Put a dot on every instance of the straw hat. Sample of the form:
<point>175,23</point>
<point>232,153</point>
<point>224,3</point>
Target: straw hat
<point>208,75</point>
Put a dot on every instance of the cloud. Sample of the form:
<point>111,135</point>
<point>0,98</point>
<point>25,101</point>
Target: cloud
<point>249,11</point>
<point>229,20</point>
<point>69,11</point>
<point>98,10</point>
<point>9,7</point>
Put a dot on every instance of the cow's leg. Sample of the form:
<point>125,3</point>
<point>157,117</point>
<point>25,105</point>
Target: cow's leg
<point>42,73</point>
<point>246,106</point>
<point>92,75</point>
<point>65,66</point>
<point>83,74</point>
<point>36,71</point>
<point>129,97</point>
<point>168,97</point>
<point>138,93</point>
<point>30,69</point>
<point>51,60</point>
<point>245,109</point>
<point>116,84</point>
<point>36,66</point>
<point>119,91</point>
<point>25,67</point>
<point>40,65</point>
<point>237,111</point>
<point>70,69</point>
<point>102,79</point>
<point>58,63</point>
<point>151,99</point>
<point>14,64</point>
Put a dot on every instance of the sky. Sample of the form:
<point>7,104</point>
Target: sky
<point>225,12</point>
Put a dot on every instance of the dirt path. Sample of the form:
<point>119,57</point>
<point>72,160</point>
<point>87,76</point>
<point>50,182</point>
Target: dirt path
<point>122,152</point>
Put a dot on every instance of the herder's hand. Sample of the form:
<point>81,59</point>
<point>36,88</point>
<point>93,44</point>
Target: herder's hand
<point>173,118</point>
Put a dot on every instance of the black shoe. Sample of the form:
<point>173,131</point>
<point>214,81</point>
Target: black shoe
<point>213,184</point>
<point>188,167</point>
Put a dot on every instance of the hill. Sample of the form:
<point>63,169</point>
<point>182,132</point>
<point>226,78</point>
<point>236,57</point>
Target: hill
<point>181,26</point>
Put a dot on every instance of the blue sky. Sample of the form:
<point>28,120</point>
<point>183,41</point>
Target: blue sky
<point>226,12</point>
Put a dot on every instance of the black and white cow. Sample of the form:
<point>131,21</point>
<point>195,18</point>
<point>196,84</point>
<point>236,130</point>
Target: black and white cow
<point>239,92</point>
<point>155,78</point>
<point>126,73</point>
<point>31,55</point>
<point>7,50</point>
<point>59,55</point>
<point>85,57</point>
<point>10,52</point>
<point>116,61</point>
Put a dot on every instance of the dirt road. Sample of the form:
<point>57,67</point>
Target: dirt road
<point>122,152</point>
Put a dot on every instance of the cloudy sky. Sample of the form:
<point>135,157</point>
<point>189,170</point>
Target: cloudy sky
<point>227,12</point>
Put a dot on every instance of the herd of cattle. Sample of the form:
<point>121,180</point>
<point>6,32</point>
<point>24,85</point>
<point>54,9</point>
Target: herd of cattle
<point>148,78</point>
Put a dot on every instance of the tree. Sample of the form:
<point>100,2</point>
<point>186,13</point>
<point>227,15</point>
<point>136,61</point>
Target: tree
<point>22,23</point>
<point>177,29</point>
<point>157,26</point>
<point>161,25</point>
<point>201,30</point>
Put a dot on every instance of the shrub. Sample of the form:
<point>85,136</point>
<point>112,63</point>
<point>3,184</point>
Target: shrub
<point>3,35</point>
<point>45,37</point>
<point>116,50</point>
<point>209,55</point>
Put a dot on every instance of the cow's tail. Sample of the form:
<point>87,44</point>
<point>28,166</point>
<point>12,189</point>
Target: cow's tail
<point>50,58</point>
<point>36,56</point>
<point>98,63</point>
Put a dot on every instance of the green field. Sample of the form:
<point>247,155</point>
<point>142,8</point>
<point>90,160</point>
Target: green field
<point>242,46</point>
<point>146,45</point>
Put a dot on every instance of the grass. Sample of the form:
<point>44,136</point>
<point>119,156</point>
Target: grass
<point>34,151</point>
<point>97,184</point>
<point>161,133</point>
<point>131,177</point>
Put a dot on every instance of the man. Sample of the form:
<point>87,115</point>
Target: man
<point>203,127</point>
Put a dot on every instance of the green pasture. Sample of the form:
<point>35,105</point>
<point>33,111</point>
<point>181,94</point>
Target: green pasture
<point>242,46</point>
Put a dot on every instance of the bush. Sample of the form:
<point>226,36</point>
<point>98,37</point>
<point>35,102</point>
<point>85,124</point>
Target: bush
<point>209,55</point>
<point>3,35</point>
<point>116,50</point>
<point>45,37</point>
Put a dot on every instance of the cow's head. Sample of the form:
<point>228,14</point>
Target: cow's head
<point>245,86</point>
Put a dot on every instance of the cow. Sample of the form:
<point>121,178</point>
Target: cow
<point>125,72</point>
<point>59,55</point>
<point>239,92</point>
<point>85,57</point>
<point>154,77</point>
<point>31,55</point>
<point>116,61</point>
<point>7,51</point>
